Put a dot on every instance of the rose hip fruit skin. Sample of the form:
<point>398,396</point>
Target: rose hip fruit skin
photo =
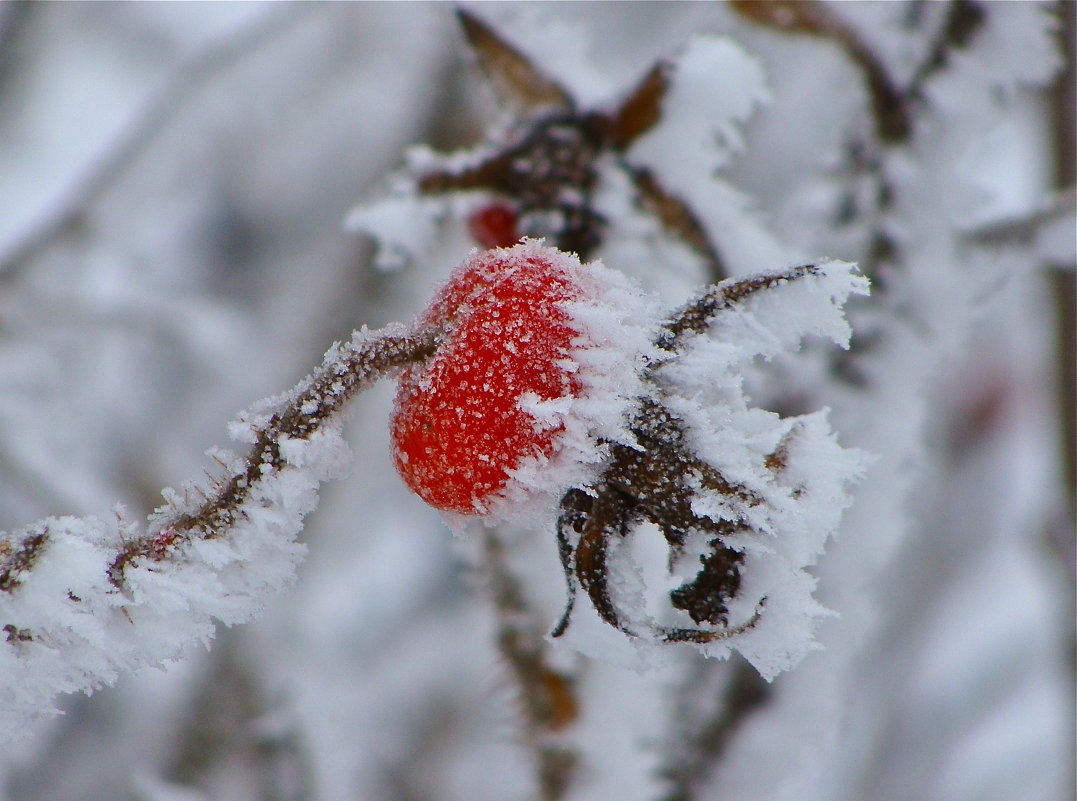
<point>458,427</point>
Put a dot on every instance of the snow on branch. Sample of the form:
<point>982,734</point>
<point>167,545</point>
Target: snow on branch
<point>745,498</point>
<point>83,600</point>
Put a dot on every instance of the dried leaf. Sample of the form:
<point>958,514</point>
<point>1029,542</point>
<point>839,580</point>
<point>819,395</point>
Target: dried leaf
<point>641,110</point>
<point>518,83</point>
<point>676,216</point>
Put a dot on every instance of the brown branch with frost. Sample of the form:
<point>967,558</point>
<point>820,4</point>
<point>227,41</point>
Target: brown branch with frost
<point>322,396</point>
<point>1022,229</point>
<point>892,106</point>
<point>888,103</point>
<point>547,696</point>
<point>83,601</point>
<point>696,316</point>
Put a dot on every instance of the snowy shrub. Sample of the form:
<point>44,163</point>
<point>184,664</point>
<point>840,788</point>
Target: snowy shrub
<point>703,518</point>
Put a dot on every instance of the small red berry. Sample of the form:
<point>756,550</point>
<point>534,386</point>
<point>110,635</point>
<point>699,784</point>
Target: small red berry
<point>459,428</point>
<point>494,226</point>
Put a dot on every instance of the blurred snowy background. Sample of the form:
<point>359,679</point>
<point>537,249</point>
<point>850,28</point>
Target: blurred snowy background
<point>173,181</point>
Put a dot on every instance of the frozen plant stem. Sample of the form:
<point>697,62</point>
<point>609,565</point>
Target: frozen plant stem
<point>701,741</point>
<point>327,392</point>
<point>547,697</point>
<point>84,601</point>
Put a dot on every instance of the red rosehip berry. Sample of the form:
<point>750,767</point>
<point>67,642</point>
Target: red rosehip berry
<point>459,427</point>
<point>494,226</point>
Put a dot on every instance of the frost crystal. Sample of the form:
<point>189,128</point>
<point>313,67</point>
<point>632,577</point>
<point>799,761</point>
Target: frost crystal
<point>83,601</point>
<point>746,499</point>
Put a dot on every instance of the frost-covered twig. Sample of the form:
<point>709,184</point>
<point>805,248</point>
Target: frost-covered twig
<point>1064,119</point>
<point>895,108</point>
<point>889,103</point>
<point>83,600</point>
<point>710,708</point>
<point>548,698</point>
<point>347,370</point>
<point>1022,229</point>
<point>962,20</point>
<point>697,315</point>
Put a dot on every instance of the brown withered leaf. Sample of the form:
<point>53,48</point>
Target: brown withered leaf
<point>518,83</point>
<point>641,110</point>
<point>678,218</point>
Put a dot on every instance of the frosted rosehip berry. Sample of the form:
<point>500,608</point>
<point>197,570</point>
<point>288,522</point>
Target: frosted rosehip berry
<point>494,226</point>
<point>459,426</point>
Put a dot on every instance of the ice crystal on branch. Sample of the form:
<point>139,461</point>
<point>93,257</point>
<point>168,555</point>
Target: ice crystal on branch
<point>83,600</point>
<point>744,498</point>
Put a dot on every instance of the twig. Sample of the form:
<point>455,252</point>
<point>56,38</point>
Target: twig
<point>697,316</point>
<point>1064,113</point>
<point>888,103</point>
<point>1022,229</point>
<point>548,696</point>
<point>1064,286</point>
<point>325,394</point>
<point>963,19</point>
<point>116,608</point>
<point>703,739</point>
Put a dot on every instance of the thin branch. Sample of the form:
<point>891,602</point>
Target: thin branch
<point>1064,133</point>
<point>549,704</point>
<point>17,557</point>
<point>888,103</point>
<point>963,19</point>
<point>324,395</point>
<point>702,740</point>
<point>1022,230</point>
<point>321,396</point>
<point>696,316</point>
<point>80,633</point>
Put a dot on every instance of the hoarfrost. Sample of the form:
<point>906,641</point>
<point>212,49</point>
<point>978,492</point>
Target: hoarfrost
<point>615,322</point>
<point>85,600</point>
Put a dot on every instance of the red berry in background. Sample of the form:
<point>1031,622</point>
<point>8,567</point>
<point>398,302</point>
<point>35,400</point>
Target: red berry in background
<point>458,428</point>
<point>494,226</point>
